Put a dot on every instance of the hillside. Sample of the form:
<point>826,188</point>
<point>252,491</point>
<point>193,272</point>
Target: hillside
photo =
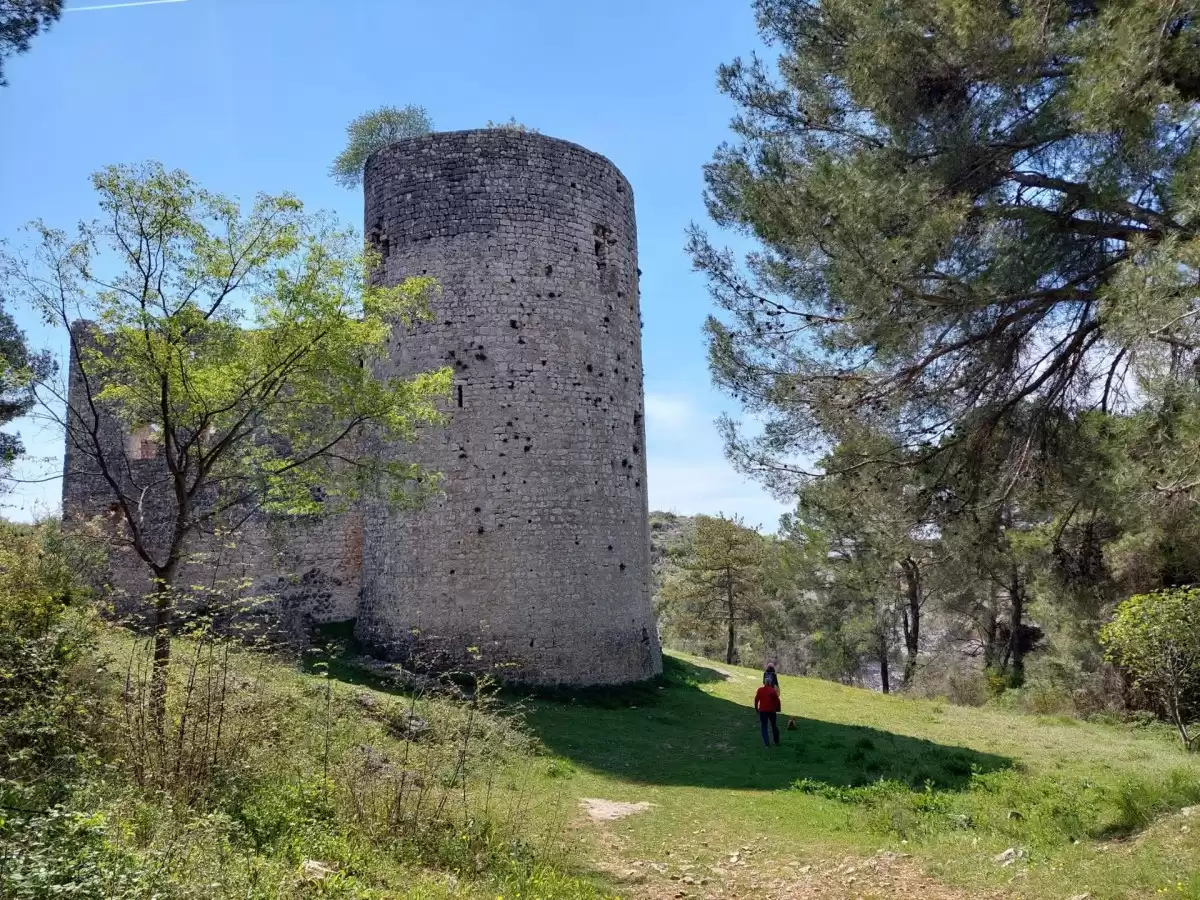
<point>668,531</point>
<point>875,796</point>
<point>318,778</point>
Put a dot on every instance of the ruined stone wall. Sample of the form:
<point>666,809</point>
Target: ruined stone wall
<point>295,570</point>
<point>537,557</point>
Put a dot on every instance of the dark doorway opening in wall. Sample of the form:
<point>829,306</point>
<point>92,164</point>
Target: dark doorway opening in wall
<point>460,396</point>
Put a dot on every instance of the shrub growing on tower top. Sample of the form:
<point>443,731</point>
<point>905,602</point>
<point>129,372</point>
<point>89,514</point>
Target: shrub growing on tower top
<point>373,131</point>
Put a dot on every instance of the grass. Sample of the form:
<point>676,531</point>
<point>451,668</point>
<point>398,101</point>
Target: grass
<point>482,800</point>
<point>1091,805</point>
<point>275,781</point>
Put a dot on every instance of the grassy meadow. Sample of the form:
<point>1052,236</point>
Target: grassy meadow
<point>313,778</point>
<point>1084,808</point>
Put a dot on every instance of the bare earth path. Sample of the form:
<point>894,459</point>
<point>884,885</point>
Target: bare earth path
<point>752,874</point>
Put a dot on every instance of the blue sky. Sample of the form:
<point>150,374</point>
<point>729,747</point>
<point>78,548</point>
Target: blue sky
<point>254,95</point>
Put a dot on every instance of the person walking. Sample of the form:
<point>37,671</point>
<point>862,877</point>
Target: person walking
<point>769,677</point>
<point>767,705</point>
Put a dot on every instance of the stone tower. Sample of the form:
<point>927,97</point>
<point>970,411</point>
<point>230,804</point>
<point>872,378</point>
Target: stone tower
<point>537,556</point>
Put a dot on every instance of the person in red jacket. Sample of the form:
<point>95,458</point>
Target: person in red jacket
<point>766,703</point>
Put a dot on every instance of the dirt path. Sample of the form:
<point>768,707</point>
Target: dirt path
<point>883,877</point>
<point>747,873</point>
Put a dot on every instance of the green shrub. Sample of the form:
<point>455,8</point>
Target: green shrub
<point>1137,802</point>
<point>48,708</point>
<point>1156,639</point>
<point>64,852</point>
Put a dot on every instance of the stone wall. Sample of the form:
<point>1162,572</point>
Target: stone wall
<point>295,570</point>
<point>537,557</point>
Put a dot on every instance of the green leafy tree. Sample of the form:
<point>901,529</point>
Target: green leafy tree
<point>373,131</point>
<point>19,371</point>
<point>717,580</point>
<point>20,22</point>
<point>242,342</point>
<point>967,216</point>
<point>866,552</point>
<point>1155,638</point>
<point>43,632</point>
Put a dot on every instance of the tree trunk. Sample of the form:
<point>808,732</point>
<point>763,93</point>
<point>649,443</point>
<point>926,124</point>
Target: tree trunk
<point>991,651</point>
<point>731,644</point>
<point>1016,643</point>
<point>884,673</point>
<point>912,617</point>
<point>1173,701</point>
<point>163,608</point>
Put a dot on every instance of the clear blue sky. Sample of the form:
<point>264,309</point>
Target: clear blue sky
<point>254,95</point>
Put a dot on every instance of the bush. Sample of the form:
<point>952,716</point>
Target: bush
<point>952,680</point>
<point>1156,639</point>
<point>64,852</point>
<point>263,783</point>
<point>47,707</point>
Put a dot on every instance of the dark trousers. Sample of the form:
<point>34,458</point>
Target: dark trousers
<point>765,718</point>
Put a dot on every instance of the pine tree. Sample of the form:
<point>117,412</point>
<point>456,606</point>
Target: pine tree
<point>969,216</point>
<point>718,580</point>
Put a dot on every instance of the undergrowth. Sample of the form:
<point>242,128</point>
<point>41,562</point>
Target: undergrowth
<point>261,782</point>
<point>1041,812</point>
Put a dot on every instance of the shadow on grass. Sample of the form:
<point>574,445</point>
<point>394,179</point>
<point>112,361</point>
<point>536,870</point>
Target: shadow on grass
<point>685,736</point>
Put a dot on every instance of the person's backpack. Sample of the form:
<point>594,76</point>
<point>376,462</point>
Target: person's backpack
<point>769,677</point>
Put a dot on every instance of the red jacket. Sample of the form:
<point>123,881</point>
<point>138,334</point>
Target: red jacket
<point>766,699</point>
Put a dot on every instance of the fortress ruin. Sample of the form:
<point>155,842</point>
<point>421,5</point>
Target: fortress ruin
<point>537,556</point>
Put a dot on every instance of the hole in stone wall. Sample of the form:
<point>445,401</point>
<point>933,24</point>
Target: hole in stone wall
<point>460,396</point>
<point>549,271</point>
<point>143,443</point>
<point>600,245</point>
<point>379,240</point>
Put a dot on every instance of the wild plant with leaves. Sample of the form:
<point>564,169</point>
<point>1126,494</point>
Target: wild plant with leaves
<point>241,345</point>
<point>1156,639</point>
<point>373,131</point>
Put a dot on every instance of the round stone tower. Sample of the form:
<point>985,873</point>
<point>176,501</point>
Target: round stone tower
<point>537,557</point>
